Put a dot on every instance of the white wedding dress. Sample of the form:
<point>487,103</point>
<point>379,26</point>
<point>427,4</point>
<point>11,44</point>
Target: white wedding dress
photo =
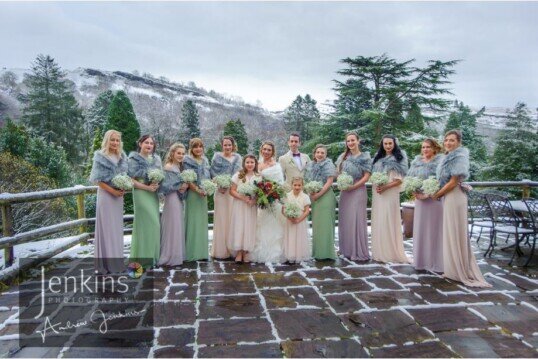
<point>270,225</point>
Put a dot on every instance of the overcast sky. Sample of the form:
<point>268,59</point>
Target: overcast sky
<point>274,51</point>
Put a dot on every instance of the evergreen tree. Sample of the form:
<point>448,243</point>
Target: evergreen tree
<point>463,118</point>
<point>96,145</point>
<point>121,117</point>
<point>255,146</point>
<point>301,116</point>
<point>14,139</point>
<point>190,122</point>
<point>236,129</point>
<point>50,109</point>
<point>514,157</point>
<point>50,160</point>
<point>97,114</point>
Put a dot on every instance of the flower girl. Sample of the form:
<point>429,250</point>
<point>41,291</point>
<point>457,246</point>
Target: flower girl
<point>296,209</point>
<point>242,230</point>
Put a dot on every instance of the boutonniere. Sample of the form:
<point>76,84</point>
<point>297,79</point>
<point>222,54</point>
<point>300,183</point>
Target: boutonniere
<point>292,161</point>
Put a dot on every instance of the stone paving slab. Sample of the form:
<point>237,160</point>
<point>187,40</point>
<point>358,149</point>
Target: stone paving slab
<point>327,308</point>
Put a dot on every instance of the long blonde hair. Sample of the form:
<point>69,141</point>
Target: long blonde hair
<point>106,140</point>
<point>170,154</point>
<point>270,144</point>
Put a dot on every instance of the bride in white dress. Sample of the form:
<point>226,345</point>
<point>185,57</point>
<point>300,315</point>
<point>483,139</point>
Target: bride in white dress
<point>270,223</point>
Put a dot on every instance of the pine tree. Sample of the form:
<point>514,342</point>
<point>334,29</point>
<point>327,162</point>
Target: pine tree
<point>190,122</point>
<point>236,129</point>
<point>50,109</point>
<point>301,116</point>
<point>97,114</point>
<point>255,146</point>
<point>462,118</point>
<point>121,117</point>
<point>514,157</point>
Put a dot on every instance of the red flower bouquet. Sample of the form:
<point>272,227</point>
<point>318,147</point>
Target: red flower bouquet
<point>267,192</point>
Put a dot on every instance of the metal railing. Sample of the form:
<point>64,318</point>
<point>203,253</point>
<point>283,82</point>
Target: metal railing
<point>9,239</point>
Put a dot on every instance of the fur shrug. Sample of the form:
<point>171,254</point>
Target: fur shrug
<point>201,169</point>
<point>356,167</point>
<point>103,169</point>
<point>320,171</point>
<point>455,163</point>
<point>220,165</point>
<point>171,183</point>
<point>389,163</point>
<point>139,166</point>
<point>422,169</point>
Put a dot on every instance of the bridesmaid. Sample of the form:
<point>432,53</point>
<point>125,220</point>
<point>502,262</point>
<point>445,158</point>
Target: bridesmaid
<point>428,219</point>
<point>225,162</point>
<point>145,244</point>
<point>107,163</point>
<point>172,228</point>
<point>352,213</point>
<point>459,260</point>
<point>196,223</point>
<point>387,238</point>
<point>322,169</point>
<point>242,230</point>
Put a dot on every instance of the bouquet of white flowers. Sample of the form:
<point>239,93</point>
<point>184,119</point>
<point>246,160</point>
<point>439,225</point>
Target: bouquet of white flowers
<point>155,175</point>
<point>379,178</point>
<point>208,186</point>
<point>122,182</point>
<point>223,181</point>
<point>344,181</point>
<point>292,210</point>
<point>430,186</point>
<point>412,184</point>
<point>188,176</point>
<point>313,187</point>
<point>247,189</point>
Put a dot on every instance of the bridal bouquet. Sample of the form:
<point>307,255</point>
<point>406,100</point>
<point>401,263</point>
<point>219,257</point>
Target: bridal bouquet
<point>379,178</point>
<point>430,186</point>
<point>246,189</point>
<point>344,181</point>
<point>267,193</point>
<point>292,210</point>
<point>208,186</point>
<point>313,187</point>
<point>223,181</point>
<point>188,176</point>
<point>155,175</point>
<point>122,182</point>
<point>412,184</point>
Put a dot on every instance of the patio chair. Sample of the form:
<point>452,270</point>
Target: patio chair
<point>479,213</point>
<point>505,221</point>
<point>532,206</point>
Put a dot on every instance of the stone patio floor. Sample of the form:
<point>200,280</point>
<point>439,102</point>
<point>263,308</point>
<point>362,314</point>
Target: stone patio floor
<point>322,309</point>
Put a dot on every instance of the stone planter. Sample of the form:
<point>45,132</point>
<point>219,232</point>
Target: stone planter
<point>408,212</point>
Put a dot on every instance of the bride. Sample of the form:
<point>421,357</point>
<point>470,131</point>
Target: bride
<point>270,223</point>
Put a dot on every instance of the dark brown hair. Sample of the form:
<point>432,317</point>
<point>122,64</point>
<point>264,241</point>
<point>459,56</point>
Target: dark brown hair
<point>142,139</point>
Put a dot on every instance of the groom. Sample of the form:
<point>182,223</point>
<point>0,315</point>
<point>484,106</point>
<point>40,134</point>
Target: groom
<point>293,163</point>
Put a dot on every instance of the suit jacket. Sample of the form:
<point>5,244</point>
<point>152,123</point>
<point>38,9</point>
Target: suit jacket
<point>289,167</point>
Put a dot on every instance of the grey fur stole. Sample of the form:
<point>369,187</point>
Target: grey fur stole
<point>171,183</point>
<point>389,163</point>
<point>422,169</point>
<point>201,169</point>
<point>220,165</point>
<point>320,171</point>
<point>455,163</point>
<point>104,170</point>
<point>139,166</point>
<point>356,167</point>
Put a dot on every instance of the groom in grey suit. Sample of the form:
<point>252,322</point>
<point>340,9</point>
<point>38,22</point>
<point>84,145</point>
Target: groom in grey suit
<point>293,163</point>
